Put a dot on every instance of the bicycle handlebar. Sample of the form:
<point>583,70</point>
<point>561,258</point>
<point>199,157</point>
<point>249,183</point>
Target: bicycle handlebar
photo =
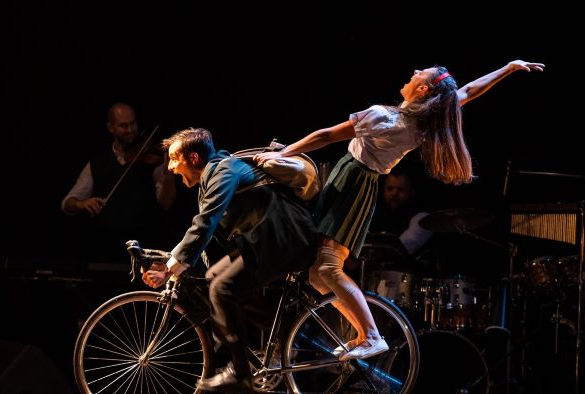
<point>143,258</point>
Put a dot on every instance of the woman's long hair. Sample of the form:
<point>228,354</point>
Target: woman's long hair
<point>438,115</point>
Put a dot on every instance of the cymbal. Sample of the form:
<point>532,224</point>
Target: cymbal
<point>455,220</point>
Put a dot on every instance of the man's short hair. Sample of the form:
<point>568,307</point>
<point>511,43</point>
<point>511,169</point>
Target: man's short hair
<point>193,140</point>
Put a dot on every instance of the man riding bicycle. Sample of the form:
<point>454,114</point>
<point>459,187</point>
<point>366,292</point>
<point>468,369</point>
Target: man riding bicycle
<point>266,230</point>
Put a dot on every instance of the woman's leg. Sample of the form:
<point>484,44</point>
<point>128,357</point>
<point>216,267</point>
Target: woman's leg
<point>329,267</point>
<point>316,281</point>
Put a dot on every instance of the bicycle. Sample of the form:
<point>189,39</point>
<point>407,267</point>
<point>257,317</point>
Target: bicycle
<point>147,341</point>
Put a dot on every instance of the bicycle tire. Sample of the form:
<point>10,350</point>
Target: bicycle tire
<point>108,347</point>
<point>308,342</point>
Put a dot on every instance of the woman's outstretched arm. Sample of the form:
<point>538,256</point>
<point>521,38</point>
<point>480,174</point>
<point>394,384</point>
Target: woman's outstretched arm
<point>313,141</point>
<point>481,85</point>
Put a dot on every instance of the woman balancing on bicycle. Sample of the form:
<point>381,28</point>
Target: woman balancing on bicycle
<point>429,118</point>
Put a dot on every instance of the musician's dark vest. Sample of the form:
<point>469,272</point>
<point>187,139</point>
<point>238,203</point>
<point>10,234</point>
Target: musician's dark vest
<point>132,210</point>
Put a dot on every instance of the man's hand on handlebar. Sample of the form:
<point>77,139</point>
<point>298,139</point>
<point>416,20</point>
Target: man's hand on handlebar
<point>157,276</point>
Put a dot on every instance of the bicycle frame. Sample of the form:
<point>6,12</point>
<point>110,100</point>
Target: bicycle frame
<point>290,281</point>
<point>169,296</point>
<point>180,294</point>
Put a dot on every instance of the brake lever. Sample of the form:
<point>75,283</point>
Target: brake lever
<point>134,249</point>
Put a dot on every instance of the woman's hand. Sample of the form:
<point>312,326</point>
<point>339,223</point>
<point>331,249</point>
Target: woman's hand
<point>525,66</point>
<point>262,158</point>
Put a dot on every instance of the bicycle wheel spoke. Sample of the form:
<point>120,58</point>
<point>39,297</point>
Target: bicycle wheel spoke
<point>109,366</point>
<point>364,376</point>
<point>122,373</point>
<point>380,373</point>
<point>129,378</point>
<point>123,333</point>
<point>337,383</point>
<point>156,355</point>
<point>176,369</point>
<point>176,354</point>
<point>148,380</point>
<point>129,383</point>
<point>109,346</point>
<point>130,329</point>
<point>132,351</point>
<point>159,372</point>
<point>319,330</point>
<point>175,362</point>
<point>130,356</point>
<point>158,346</point>
<point>108,359</point>
<point>137,384</point>
<point>144,327</point>
<point>151,374</point>
<point>141,347</point>
<point>154,322</point>
<point>320,345</point>
<point>141,381</point>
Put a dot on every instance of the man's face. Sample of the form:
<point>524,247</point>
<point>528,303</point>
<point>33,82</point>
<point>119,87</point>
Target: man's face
<point>397,192</point>
<point>184,165</point>
<point>123,126</point>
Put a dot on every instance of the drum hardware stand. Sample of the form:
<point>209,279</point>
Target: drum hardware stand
<point>506,300</point>
<point>509,351</point>
<point>581,245</point>
<point>508,283</point>
<point>578,343</point>
<point>523,373</point>
<point>557,319</point>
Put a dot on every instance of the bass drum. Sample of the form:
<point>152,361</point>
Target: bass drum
<point>449,363</point>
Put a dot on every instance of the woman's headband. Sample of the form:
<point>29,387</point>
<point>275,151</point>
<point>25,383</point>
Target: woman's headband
<point>440,78</point>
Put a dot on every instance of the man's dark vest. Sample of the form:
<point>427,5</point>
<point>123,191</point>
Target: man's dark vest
<point>132,211</point>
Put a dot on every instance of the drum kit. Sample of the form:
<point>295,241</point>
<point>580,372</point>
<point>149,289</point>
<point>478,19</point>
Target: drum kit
<point>453,311</point>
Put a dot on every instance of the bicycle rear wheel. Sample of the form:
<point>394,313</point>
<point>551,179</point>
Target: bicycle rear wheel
<point>109,350</point>
<point>310,343</point>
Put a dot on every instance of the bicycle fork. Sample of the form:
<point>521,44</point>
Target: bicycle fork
<point>167,297</point>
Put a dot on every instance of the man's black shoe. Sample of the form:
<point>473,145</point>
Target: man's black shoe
<point>226,382</point>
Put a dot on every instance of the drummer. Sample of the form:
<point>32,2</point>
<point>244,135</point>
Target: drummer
<point>399,211</point>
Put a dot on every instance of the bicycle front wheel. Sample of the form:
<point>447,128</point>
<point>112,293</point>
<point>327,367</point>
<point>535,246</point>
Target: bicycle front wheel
<point>110,350</point>
<point>310,345</point>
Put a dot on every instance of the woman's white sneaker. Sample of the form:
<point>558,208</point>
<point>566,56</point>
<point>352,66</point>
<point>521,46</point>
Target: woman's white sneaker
<point>367,348</point>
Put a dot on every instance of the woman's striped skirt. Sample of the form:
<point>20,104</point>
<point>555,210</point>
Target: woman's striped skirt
<point>347,202</point>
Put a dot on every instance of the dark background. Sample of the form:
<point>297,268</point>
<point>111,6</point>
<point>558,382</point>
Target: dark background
<point>250,75</point>
<point>249,79</point>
